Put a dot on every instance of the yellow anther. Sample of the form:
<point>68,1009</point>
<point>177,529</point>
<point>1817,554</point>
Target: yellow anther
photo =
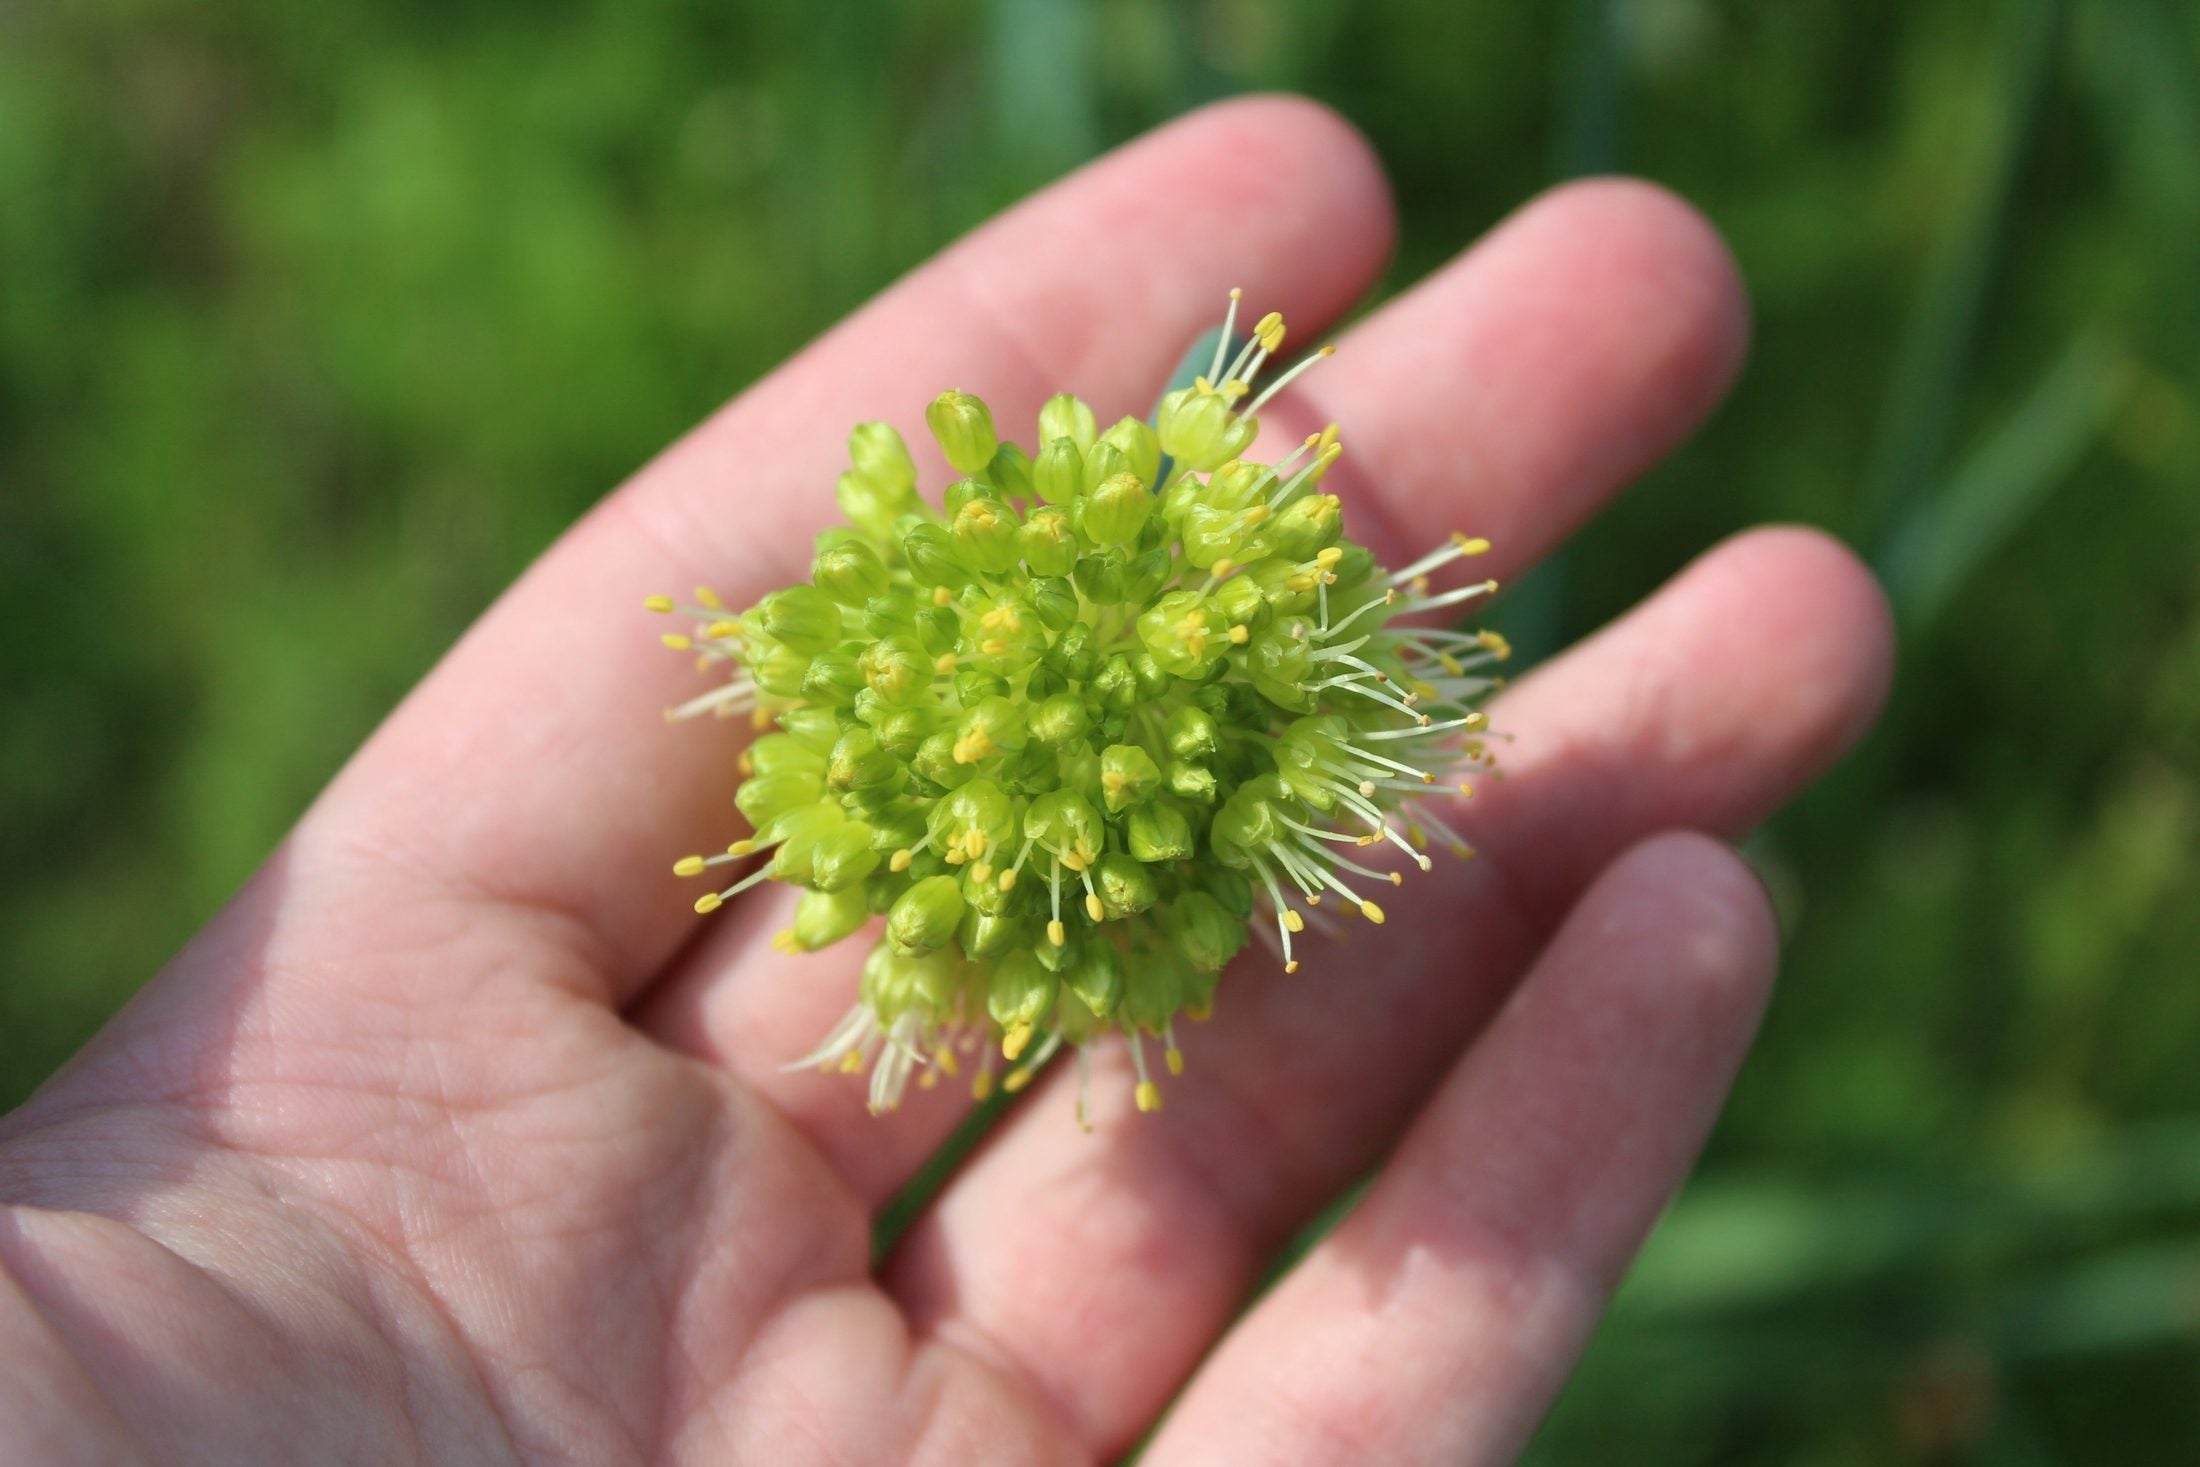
<point>974,841</point>
<point>1017,1079</point>
<point>1300,582</point>
<point>1202,387</point>
<point>1418,836</point>
<point>708,902</point>
<point>1451,664</point>
<point>1495,644</point>
<point>1372,912</point>
<point>993,646</point>
<point>745,764</point>
<point>941,595</point>
<point>956,855</point>
<point>851,1062</point>
<point>1072,860</point>
<point>705,596</point>
<point>785,941</point>
<point>1397,878</point>
<point>742,847</point>
<point>1470,545</point>
<point>1240,635</point>
<point>1292,921</point>
<point>1257,513</point>
<point>981,1087</point>
<point>1315,900</point>
<point>760,718</point>
<point>662,605</point>
<point>1149,1096</point>
<point>1014,1041</point>
<point>722,629</point>
<point>973,746</point>
<point>899,861</point>
<point>1057,933</point>
<point>1001,619</point>
<point>688,866</point>
<point>1466,791</point>
<point>1008,880</point>
<point>1292,966</point>
<point>928,1079</point>
<point>945,1059</point>
<point>982,872</point>
<point>678,642</point>
<point>1174,1058</point>
<point>1093,909</point>
<point>944,663</point>
<point>1327,559</point>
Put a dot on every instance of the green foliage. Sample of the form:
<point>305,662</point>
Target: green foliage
<point>316,322</point>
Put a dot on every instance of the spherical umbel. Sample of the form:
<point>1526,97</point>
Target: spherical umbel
<point>1116,705</point>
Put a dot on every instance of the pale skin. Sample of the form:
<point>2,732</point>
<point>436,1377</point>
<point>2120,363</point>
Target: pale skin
<point>457,1137</point>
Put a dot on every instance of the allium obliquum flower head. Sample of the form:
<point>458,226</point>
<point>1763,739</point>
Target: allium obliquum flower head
<point>1068,739</point>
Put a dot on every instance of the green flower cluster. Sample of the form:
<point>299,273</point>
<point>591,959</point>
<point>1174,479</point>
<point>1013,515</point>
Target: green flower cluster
<point>1079,731</point>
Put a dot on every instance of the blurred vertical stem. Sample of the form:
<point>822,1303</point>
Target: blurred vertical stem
<point>1585,141</point>
<point>1933,361</point>
<point>1040,73</point>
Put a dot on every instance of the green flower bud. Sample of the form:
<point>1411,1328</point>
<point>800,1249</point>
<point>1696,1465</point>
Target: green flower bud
<point>1127,776</point>
<point>1139,447</point>
<point>1159,831</point>
<point>823,918</point>
<point>881,458</point>
<point>934,761</point>
<point>1019,995</point>
<point>798,832</point>
<point>1063,824</point>
<point>801,617</point>
<point>1203,931</point>
<point>1061,718</point>
<point>1066,416</point>
<point>896,669</point>
<point>1153,990</point>
<point>933,557</point>
<point>834,676</point>
<point>843,856</point>
<point>1239,603</point>
<point>994,726</point>
<point>1072,654</point>
<point>763,798</point>
<point>1125,886</point>
<point>926,916</point>
<point>964,427</point>
<point>1192,733</point>
<point>1115,511</point>
<point>1010,472</point>
<point>1096,977</point>
<point>1189,781</point>
<point>1183,635</point>
<point>1103,461</point>
<point>1153,679</point>
<point>900,730</point>
<point>973,822</point>
<point>1115,685</point>
<point>1055,600</point>
<point>1058,476</point>
<point>778,668</point>
<point>858,763</point>
<point>989,934</point>
<point>1048,543</point>
<point>1200,431</point>
<point>849,571</point>
<point>1307,526</point>
<point>985,533</point>
<point>781,753</point>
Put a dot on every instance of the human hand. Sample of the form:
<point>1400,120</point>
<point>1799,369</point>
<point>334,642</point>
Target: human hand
<point>456,1138</point>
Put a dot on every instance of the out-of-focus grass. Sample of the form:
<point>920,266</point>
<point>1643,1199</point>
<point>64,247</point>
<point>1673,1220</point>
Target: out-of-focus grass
<point>316,322</point>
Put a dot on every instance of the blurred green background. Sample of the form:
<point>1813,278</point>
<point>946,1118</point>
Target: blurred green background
<point>316,322</point>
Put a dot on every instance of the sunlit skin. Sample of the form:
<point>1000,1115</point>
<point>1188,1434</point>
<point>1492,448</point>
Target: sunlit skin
<point>450,1140</point>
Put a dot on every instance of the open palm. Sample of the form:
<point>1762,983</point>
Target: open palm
<point>456,1138</point>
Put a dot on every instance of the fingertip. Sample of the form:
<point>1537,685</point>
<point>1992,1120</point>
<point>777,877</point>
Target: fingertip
<point>1707,920</point>
<point>1280,155</point>
<point>1831,617</point>
<point>1653,254</point>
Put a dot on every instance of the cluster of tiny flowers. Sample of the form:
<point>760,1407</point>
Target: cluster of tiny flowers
<point>1081,732</point>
